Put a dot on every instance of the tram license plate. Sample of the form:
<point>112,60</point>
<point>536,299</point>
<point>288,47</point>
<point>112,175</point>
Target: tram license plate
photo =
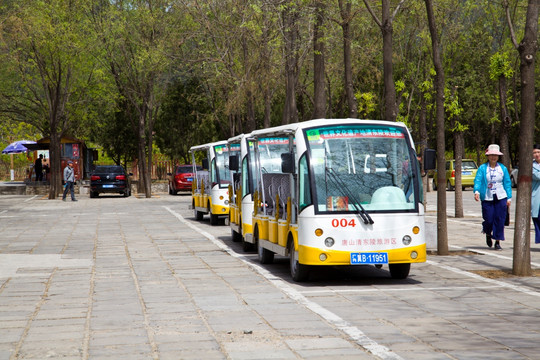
<point>369,258</point>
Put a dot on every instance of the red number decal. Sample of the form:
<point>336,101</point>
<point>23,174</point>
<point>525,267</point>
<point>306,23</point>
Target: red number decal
<point>343,223</point>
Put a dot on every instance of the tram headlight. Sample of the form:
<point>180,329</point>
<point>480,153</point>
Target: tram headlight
<point>323,257</point>
<point>226,202</point>
<point>329,242</point>
<point>414,255</point>
<point>406,240</point>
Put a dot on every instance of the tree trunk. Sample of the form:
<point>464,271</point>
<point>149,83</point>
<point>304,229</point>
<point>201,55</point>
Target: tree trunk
<point>422,129</point>
<point>442,228</point>
<point>250,110</point>
<point>290,111</point>
<point>527,51</point>
<point>390,109</point>
<point>148,180</point>
<point>506,122</point>
<point>319,96</point>
<point>141,149</point>
<point>345,10</point>
<point>459,149</point>
<point>267,107</point>
<point>55,163</point>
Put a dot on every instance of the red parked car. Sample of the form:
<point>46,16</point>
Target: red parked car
<point>182,179</point>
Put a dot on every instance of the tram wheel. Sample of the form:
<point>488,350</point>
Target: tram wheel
<point>299,272</point>
<point>198,215</point>
<point>247,247</point>
<point>265,256</point>
<point>399,271</point>
<point>236,237</point>
<point>213,219</point>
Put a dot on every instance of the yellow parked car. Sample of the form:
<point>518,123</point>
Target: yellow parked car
<point>468,173</point>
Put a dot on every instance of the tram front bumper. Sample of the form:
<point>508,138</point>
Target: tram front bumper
<point>315,256</point>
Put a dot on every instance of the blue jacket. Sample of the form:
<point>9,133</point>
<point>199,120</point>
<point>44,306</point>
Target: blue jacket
<point>481,183</point>
<point>535,196</point>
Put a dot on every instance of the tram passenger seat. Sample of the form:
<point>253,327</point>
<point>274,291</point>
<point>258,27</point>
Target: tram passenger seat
<point>205,178</point>
<point>284,193</point>
<point>269,200</point>
<point>388,196</point>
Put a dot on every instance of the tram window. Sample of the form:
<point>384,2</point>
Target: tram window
<point>303,180</point>
<point>245,177</point>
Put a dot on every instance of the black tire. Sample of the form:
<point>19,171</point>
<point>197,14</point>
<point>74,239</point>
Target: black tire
<point>198,215</point>
<point>170,190</point>
<point>236,237</point>
<point>247,247</point>
<point>299,272</point>
<point>92,194</point>
<point>399,271</point>
<point>449,186</point>
<point>214,220</point>
<point>434,184</point>
<point>513,181</point>
<point>265,256</point>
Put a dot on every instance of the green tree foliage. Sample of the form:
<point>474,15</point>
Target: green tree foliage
<point>47,72</point>
<point>185,119</point>
<point>238,52</point>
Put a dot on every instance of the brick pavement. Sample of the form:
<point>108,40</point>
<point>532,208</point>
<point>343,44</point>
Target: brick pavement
<point>122,278</point>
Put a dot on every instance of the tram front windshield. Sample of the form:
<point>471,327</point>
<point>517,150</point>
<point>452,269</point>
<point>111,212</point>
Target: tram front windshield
<point>362,167</point>
<point>221,174</point>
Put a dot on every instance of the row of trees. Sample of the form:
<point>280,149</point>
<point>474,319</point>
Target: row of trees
<point>130,74</point>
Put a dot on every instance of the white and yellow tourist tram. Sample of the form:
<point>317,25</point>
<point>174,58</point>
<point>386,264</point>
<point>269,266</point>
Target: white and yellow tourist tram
<point>210,192</point>
<point>338,192</point>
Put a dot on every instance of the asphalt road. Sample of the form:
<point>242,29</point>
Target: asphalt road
<point>136,278</point>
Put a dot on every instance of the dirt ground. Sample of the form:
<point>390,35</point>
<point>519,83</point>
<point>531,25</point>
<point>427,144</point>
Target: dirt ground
<point>506,273</point>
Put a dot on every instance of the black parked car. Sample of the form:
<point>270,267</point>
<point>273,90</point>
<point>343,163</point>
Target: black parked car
<point>110,179</point>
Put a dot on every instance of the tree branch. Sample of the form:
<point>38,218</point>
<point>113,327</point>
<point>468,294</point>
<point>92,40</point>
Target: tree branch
<point>373,14</point>
<point>509,20</point>
<point>396,10</point>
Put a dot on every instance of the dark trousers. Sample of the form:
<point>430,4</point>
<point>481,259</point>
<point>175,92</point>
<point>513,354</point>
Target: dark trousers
<point>494,214</point>
<point>69,186</point>
<point>536,222</point>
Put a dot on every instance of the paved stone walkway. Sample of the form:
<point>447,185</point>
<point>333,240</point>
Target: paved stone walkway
<point>130,278</point>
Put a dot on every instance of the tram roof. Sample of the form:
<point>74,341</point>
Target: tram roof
<point>237,138</point>
<point>290,128</point>
<point>207,145</point>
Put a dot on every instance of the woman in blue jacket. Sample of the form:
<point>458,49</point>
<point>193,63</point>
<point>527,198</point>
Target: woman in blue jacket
<point>493,187</point>
<point>535,196</point>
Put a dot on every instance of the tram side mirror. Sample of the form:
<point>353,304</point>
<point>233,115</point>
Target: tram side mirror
<point>205,164</point>
<point>233,162</point>
<point>430,159</point>
<point>287,163</point>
